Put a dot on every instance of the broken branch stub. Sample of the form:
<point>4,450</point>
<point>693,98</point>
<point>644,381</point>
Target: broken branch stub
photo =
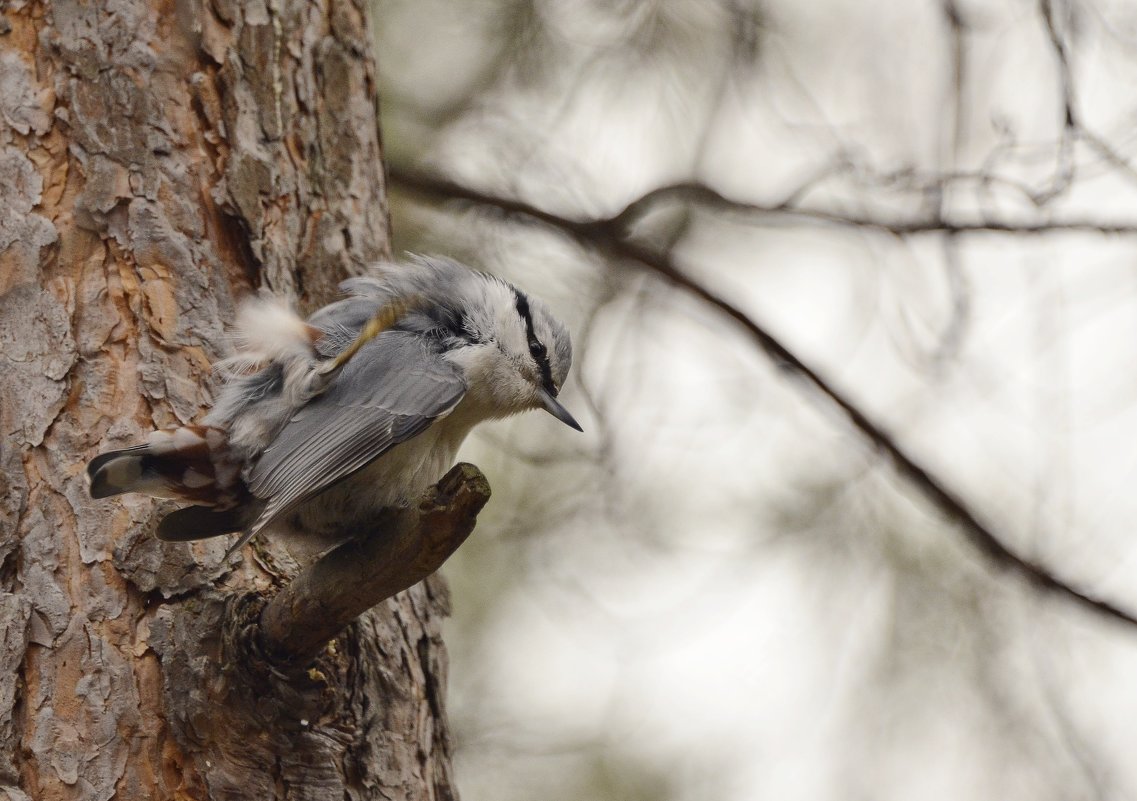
<point>401,548</point>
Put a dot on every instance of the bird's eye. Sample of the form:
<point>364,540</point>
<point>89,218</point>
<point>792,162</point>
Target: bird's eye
<point>537,350</point>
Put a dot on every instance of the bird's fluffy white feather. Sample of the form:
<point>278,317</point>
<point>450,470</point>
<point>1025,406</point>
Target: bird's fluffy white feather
<point>267,331</point>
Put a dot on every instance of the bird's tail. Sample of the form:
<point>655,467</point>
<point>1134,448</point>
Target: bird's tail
<point>191,463</point>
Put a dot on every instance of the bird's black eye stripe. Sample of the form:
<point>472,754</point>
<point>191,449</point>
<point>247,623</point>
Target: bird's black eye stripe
<point>522,301</point>
<point>536,349</point>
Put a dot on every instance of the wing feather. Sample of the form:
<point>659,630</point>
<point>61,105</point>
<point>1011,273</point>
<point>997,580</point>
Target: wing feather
<point>389,392</point>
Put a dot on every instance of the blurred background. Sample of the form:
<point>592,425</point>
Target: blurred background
<point>721,590</point>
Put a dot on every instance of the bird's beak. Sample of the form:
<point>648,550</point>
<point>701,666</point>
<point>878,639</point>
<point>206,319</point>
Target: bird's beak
<point>553,407</point>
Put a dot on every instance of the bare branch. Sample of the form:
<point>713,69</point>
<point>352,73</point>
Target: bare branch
<point>401,549</point>
<point>609,236</point>
<point>709,199</point>
<point>1073,125</point>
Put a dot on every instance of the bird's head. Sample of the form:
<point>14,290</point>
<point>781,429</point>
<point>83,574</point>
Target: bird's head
<point>520,354</point>
<point>514,354</point>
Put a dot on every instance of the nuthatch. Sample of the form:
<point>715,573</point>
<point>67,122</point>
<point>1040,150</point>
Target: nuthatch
<point>319,424</point>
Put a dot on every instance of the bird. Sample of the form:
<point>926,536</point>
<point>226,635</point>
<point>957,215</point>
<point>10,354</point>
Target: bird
<point>320,423</point>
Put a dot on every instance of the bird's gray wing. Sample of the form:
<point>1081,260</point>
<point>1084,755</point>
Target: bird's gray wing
<point>391,390</point>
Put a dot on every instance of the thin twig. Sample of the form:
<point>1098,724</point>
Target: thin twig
<point>608,235</point>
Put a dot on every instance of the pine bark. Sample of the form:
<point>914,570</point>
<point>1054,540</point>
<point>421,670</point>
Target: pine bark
<point>158,160</point>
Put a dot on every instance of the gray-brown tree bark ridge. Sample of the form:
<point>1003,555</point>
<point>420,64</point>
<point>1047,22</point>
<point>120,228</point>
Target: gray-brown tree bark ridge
<point>157,161</point>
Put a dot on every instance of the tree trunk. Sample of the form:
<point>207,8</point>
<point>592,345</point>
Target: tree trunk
<point>157,161</point>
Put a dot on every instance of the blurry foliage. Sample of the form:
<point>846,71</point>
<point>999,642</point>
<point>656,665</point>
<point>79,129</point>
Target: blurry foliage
<point>719,591</point>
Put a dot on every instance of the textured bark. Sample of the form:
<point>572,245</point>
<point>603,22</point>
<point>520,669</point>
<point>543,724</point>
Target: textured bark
<point>157,160</point>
